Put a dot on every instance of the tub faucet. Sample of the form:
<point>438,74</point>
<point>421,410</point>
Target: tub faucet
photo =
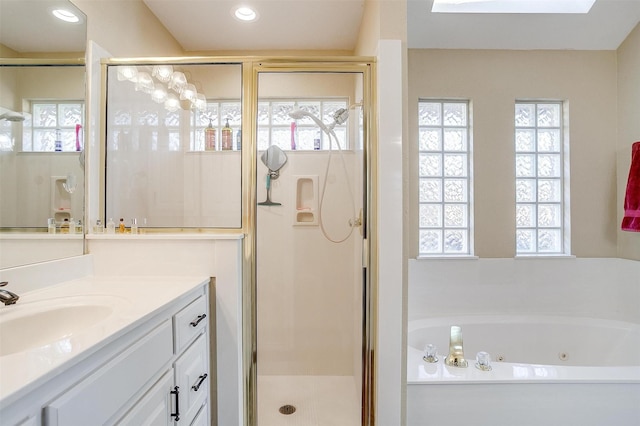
<point>456,352</point>
<point>7,297</point>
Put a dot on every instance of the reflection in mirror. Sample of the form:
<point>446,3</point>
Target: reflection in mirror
<point>41,176</point>
<point>40,92</point>
<point>173,145</point>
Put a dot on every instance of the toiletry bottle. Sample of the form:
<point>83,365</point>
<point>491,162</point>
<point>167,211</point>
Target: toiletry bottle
<point>111,226</point>
<point>79,229</point>
<point>227,137</point>
<point>79,137</point>
<point>51,225</point>
<point>98,228</point>
<point>134,226</point>
<point>239,140</point>
<point>58,146</point>
<point>210,138</point>
<point>294,130</point>
<point>121,227</point>
<point>64,227</point>
<point>316,141</point>
<point>72,226</point>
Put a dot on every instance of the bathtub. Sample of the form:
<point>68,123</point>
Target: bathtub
<point>546,370</point>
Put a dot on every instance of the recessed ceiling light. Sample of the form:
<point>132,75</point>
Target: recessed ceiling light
<point>512,6</point>
<point>245,14</point>
<point>65,15</point>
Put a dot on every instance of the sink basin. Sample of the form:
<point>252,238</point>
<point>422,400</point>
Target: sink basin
<point>50,324</point>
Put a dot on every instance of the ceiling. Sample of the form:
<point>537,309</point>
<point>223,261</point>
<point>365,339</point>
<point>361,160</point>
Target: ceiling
<point>27,26</point>
<point>207,25</point>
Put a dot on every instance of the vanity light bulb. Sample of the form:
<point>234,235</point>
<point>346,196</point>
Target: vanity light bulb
<point>162,73</point>
<point>188,93</point>
<point>159,94</point>
<point>127,73</point>
<point>178,81</point>
<point>172,103</point>
<point>144,83</point>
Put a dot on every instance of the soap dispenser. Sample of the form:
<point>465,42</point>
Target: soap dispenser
<point>111,226</point>
<point>227,137</point>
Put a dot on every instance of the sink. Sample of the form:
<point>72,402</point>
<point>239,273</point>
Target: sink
<point>50,324</point>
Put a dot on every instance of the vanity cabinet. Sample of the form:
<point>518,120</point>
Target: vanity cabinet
<point>157,373</point>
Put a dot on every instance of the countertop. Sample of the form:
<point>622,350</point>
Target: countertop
<point>131,299</point>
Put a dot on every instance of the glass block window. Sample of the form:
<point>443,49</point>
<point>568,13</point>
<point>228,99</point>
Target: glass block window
<point>275,124</point>
<point>53,123</point>
<point>444,166</point>
<point>218,113</point>
<point>540,224</point>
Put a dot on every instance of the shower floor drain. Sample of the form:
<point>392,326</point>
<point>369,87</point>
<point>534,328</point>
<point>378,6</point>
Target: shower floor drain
<point>287,409</point>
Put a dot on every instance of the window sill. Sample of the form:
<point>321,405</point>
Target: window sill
<point>452,257</point>
<point>544,256</point>
<point>167,236</point>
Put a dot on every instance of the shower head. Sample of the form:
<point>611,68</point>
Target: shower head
<point>12,116</point>
<point>339,117</point>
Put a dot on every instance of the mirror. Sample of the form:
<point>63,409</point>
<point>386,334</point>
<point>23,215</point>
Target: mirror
<point>274,158</point>
<point>42,95</point>
<point>173,145</point>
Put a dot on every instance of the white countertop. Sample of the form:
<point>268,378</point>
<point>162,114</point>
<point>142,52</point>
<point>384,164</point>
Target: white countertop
<point>133,299</point>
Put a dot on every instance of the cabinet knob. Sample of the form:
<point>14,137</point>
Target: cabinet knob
<point>196,321</point>
<point>202,378</point>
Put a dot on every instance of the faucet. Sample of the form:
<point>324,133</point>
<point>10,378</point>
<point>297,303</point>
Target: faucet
<point>7,297</point>
<point>456,353</point>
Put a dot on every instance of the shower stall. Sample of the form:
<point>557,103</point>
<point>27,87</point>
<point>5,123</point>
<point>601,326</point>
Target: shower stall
<point>311,291</point>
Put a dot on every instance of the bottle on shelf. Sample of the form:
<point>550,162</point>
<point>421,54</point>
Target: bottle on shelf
<point>51,225</point>
<point>134,226</point>
<point>64,227</point>
<point>98,227</point>
<point>239,140</point>
<point>209,138</point>
<point>111,226</point>
<point>121,227</point>
<point>227,137</point>
<point>72,226</point>
<point>79,229</point>
<point>58,146</point>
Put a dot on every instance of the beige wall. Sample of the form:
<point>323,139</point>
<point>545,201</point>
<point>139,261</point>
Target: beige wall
<point>492,80</point>
<point>628,131</point>
<point>127,29</point>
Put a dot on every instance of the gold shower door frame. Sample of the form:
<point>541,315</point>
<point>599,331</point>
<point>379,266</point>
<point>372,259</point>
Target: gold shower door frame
<point>251,72</point>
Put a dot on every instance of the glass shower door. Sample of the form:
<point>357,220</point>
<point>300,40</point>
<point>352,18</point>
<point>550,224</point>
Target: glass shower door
<point>309,273</point>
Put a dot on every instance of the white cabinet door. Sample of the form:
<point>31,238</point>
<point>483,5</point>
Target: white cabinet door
<point>192,378</point>
<point>99,397</point>
<point>154,409</point>
<point>202,418</point>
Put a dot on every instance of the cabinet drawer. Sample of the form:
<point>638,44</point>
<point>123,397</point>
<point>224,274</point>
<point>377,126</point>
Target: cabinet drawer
<point>192,378</point>
<point>189,322</point>
<point>99,397</point>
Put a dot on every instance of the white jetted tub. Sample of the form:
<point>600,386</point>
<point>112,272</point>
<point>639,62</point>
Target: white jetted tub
<point>546,371</point>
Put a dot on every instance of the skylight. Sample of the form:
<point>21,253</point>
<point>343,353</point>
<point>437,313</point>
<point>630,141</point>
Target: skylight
<point>512,6</point>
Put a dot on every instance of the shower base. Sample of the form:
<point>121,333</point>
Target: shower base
<point>318,401</point>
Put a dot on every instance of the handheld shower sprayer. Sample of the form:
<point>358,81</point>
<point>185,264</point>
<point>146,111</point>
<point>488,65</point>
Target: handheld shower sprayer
<point>339,117</point>
<point>12,116</point>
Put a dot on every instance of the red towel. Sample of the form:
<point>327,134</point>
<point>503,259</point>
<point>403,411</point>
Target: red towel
<point>631,220</point>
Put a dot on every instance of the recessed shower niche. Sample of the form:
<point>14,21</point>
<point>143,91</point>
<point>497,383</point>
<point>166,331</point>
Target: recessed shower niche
<point>306,202</point>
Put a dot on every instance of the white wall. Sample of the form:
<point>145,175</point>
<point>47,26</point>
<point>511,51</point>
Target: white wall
<point>308,288</point>
<point>606,288</point>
